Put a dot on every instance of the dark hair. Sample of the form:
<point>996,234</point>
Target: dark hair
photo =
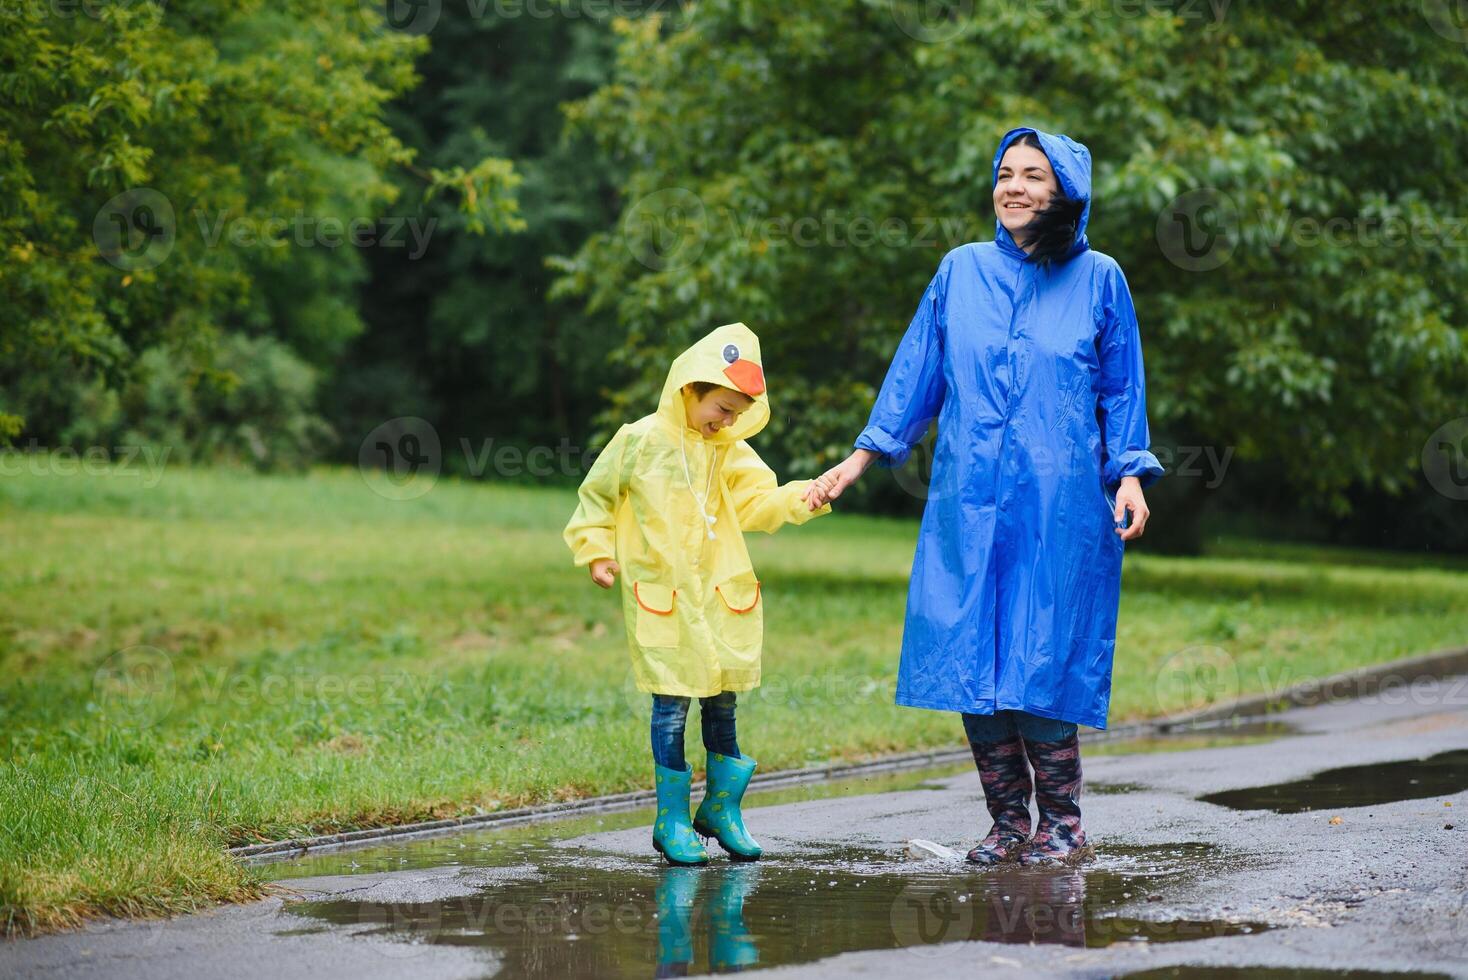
<point>1052,229</point>
<point>701,388</point>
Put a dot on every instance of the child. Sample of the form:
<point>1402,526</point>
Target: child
<point>665,505</point>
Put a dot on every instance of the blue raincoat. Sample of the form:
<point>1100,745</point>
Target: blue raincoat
<point>1034,376</point>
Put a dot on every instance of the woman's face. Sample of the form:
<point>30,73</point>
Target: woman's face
<point>1024,185</point>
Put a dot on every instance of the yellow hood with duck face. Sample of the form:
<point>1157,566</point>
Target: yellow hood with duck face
<point>671,507</point>
<point>727,356</point>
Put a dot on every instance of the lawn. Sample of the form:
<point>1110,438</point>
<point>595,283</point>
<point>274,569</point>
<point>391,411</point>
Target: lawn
<point>219,657</point>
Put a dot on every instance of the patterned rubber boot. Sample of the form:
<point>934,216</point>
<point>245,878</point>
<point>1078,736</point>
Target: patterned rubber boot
<point>1060,839</point>
<point>719,815</point>
<point>672,833</point>
<point>1006,779</point>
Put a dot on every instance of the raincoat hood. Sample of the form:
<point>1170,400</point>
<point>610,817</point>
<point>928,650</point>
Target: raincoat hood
<point>727,356</point>
<point>1071,162</point>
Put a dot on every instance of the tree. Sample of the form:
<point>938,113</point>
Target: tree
<point>804,166</point>
<point>174,174</point>
<point>464,334</point>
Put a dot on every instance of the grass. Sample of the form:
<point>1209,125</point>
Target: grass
<point>225,657</point>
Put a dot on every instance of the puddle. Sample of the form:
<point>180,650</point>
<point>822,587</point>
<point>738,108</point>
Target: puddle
<point>497,846</point>
<point>1280,972</point>
<point>1354,786</point>
<point>585,913</point>
<point>1216,735</point>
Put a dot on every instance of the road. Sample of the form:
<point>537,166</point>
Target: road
<point>1374,878</point>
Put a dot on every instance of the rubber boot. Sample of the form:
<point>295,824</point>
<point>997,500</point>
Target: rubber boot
<point>719,815</point>
<point>672,833</point>
<point>731,947</point>
<point>675,897</point>
<point>1006,780</point>
<point>1060,838</point>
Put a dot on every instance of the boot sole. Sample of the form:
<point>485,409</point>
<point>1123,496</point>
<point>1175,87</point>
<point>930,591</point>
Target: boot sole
<point>676,863</point>
<point>1081,855</point>
<point>733,855</point>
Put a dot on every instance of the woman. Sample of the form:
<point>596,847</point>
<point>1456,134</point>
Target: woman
<point>1026,352</point>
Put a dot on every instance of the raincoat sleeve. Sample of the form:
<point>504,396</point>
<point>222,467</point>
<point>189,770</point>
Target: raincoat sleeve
<point>761,503</point>
<point>914,387</point>
<point>591,533</point>
<point>1122,389</point>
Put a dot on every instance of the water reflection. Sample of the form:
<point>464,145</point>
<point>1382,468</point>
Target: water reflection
<point>568,913</point>
<point>731,946</point>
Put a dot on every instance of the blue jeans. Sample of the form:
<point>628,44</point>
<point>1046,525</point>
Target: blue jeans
<point>670,715</point>
<point>1002,725</point>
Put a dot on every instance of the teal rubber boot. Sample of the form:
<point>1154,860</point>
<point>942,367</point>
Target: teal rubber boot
<point>672,834</point>
<point>731,946</point>
<point>675,897</point>
<point>719,815</point>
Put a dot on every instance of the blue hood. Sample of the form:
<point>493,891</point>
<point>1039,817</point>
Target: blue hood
<point>1071,162</point>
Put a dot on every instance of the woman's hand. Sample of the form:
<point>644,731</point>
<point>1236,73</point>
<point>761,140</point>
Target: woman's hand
<point>604,572</point>
<point>1129,498</point>
<point>830,484</point>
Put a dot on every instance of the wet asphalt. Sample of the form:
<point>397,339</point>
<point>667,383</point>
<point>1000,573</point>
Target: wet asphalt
<point>1364,874</point>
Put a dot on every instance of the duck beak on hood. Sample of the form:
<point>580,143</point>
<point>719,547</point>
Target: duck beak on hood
<point>727,356</point>
<point>1071,162</point>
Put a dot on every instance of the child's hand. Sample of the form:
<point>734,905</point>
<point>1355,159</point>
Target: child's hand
<point>830,484</point>
<point>819,492</point>
<point>604,572</point>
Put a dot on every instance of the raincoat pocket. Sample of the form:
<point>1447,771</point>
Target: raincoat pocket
<point>657,622</point>
<point>741,618</point>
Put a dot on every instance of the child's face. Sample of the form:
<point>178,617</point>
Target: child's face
<point>716,410</point>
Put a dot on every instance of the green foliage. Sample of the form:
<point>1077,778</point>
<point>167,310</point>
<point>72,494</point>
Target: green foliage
<point>464,335</point>
<point>804,166</point>
<point>200,657</point>
<point>242,137</point>
<point>263,417</point>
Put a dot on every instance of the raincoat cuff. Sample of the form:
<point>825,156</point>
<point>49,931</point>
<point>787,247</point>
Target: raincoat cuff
<point>800,511</point>
<point>593,550</point>
<point>893,452</point>
<point>1136,462</point>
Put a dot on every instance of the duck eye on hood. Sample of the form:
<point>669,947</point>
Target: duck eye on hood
<point>731,353</point>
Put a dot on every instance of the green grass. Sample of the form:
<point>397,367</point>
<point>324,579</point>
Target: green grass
<point>224,658</point>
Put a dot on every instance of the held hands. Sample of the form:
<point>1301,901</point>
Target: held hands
<point>604,572</point>
<point>1129,497</point>
<point>830,484</point>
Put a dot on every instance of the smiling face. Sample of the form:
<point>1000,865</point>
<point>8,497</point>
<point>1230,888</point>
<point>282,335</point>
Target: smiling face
<point>714,410</point>
<point>1024,185</point>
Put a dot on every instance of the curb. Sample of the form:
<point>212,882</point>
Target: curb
<point>1338,687</point>
<point>1346,686</point>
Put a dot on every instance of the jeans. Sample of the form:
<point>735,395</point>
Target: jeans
<point>670,715</point>
<point>1003,725</point>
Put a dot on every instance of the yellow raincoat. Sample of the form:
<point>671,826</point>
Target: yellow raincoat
<point>694,616</point>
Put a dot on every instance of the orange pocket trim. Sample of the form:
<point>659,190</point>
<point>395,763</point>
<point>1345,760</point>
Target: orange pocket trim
<point>746,608</point>
<point>656,612</point>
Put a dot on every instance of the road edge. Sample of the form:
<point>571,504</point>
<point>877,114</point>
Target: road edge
<point>1344,686</point>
